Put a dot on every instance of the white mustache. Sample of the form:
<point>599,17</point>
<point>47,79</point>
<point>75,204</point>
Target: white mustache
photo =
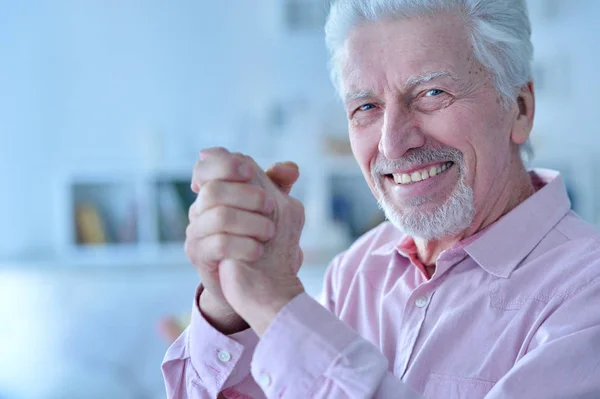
<point>418,157</point>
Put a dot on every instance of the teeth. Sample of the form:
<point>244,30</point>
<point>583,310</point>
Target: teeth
<point>404,178</point>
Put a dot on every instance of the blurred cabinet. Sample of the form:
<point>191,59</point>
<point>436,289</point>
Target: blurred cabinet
<point>126,217</point>
<point>123,216</point>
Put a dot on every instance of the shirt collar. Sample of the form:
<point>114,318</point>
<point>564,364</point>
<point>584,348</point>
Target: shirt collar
<point>501,247</point>
<point>504,244</point>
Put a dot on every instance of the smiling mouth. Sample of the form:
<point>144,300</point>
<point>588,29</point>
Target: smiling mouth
<point>420,175</point>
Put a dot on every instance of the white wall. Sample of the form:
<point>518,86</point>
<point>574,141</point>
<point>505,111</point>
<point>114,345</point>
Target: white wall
<point>27,114</point>
<point>566,133</point>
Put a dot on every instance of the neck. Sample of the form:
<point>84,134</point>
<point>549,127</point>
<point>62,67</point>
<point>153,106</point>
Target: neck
<point>515,188</point>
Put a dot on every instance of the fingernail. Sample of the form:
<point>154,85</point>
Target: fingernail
<point>245,170</point>
<point>290,163</point>
<point>269,205</point>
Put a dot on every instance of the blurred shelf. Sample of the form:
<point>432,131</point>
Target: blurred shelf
<point>132,257</point>
<point>115,218</point>
<point>342,165</point>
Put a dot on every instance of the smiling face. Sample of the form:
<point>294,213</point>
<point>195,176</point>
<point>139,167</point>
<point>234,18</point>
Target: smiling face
<point>426,123</point>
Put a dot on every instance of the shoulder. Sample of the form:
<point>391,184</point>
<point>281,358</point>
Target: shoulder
<point>574,228</point>
<point>567,259</point>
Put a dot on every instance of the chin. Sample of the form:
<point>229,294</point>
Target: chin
<point>433,221</point>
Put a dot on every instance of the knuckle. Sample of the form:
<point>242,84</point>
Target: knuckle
<point>196,208</point>
<point>213,151</point>
<point>221,246</point>
<point>225,215</point>
<point>189,232</point>
<point>233,166</point>
<point>191,213</point>
<point>196,169</point>
<point>210,192</point>
<point>188,247</point>
<point>259,195</point>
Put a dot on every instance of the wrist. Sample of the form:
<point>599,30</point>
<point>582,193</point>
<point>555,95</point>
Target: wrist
<point>221,316</point>
<point>260,313</point>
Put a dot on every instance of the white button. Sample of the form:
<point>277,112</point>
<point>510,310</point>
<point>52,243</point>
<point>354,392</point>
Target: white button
<point>224,356</point>
<point>421,302</point>
<point>264,380</point>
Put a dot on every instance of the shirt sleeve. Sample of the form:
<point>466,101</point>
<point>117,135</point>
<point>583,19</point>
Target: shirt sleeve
<point>307,352</point>
<point>203,362</point>
<point>563,360</point>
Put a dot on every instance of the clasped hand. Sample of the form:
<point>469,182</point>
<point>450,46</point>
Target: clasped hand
<point>243,238</point>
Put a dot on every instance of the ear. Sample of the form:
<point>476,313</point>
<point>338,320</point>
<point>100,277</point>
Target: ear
<point>526,111</point>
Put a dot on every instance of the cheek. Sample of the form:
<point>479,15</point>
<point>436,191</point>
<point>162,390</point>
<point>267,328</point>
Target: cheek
<point>455,128</point>
<point>365,149</point>
<point>484,145</point>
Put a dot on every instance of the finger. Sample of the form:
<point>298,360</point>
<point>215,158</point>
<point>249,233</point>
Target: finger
<point>213,151</point>
<point>220,167</point>
<point>284,175</point>
<point>206,153</point>
<point>223,219</point>
<point>214,248</point>
<point>237,195</point>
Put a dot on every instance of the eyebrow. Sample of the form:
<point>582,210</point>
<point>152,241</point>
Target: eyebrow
<point>424,78</point>
<point>357,95</point>
<point>411,82</point>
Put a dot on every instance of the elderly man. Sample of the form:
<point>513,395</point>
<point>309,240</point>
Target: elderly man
<point>482,284</point>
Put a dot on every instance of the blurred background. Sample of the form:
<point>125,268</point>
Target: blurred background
<point>104,106</point>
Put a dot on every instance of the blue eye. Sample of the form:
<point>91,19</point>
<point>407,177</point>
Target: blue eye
<point>366,107</point>
<point>434,92</point>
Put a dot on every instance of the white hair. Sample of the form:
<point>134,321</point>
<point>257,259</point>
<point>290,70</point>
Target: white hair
<point>500,33</point>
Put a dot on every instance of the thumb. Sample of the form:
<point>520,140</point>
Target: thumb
<point>284,175</point>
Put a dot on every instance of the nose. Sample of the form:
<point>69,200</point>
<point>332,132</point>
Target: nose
<point>399,133</point>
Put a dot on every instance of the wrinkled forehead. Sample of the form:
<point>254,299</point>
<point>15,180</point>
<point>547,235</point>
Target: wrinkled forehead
<point>394,52</point>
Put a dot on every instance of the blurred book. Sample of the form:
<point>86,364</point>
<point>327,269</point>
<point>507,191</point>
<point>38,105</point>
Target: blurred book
<point>173,214</point>
<point>90,226</point>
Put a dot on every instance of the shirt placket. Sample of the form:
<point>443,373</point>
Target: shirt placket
<point>416,308</point>
<point>415,312</point>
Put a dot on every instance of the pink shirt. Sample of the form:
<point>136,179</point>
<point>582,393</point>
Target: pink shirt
<point>512,312</point>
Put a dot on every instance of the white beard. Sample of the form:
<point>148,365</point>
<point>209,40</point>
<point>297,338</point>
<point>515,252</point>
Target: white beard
<point>455,215</point>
